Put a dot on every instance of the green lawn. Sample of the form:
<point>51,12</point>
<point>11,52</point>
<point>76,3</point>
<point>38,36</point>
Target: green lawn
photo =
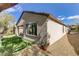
<point>12,44</point>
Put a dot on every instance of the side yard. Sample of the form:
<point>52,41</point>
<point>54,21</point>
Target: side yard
<point>74,41</point>
<point>62,48</point>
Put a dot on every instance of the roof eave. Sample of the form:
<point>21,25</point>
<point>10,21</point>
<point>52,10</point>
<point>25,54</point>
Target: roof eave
<point>56,20</point>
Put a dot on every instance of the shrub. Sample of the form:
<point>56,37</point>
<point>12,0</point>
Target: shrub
<point>13,44</point>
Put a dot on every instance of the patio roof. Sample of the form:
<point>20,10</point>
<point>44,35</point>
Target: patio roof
<point>21,20</point>
<point>6,5</point>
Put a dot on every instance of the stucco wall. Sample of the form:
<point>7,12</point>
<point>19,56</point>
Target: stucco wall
<point>20,30</point>
<point>55,31</point>
<point>35,18</point>
<point>43,31</point>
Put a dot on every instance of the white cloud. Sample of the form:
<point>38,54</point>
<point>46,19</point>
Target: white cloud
<point>75,17</point>
<point>61,17</point>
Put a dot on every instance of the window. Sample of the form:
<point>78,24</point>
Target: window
<point>31,28</point>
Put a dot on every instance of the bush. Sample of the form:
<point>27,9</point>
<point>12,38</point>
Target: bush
<point>12,45</point>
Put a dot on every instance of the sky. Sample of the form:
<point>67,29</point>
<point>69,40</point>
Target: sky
<point>66,13</point>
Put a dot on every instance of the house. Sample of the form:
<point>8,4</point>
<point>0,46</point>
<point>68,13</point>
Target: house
<point>41,27</point>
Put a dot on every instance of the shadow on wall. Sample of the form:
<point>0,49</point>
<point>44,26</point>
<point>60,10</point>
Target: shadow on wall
<point>74,41</point>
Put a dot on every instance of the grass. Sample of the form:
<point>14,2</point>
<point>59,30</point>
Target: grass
<point>12,44</point>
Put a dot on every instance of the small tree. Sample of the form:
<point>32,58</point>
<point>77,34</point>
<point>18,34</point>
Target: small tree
<point>4,20</point>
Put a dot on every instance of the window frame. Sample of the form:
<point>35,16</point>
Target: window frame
<point>27,28</point>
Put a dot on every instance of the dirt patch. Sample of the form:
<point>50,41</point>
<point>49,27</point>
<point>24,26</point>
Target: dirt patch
<point>74,41</point>
<point>62,48</point>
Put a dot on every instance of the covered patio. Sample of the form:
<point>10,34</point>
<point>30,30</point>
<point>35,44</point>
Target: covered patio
<point>6,5</point>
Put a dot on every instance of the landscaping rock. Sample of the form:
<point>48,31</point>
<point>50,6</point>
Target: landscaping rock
<point>34,50</point>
